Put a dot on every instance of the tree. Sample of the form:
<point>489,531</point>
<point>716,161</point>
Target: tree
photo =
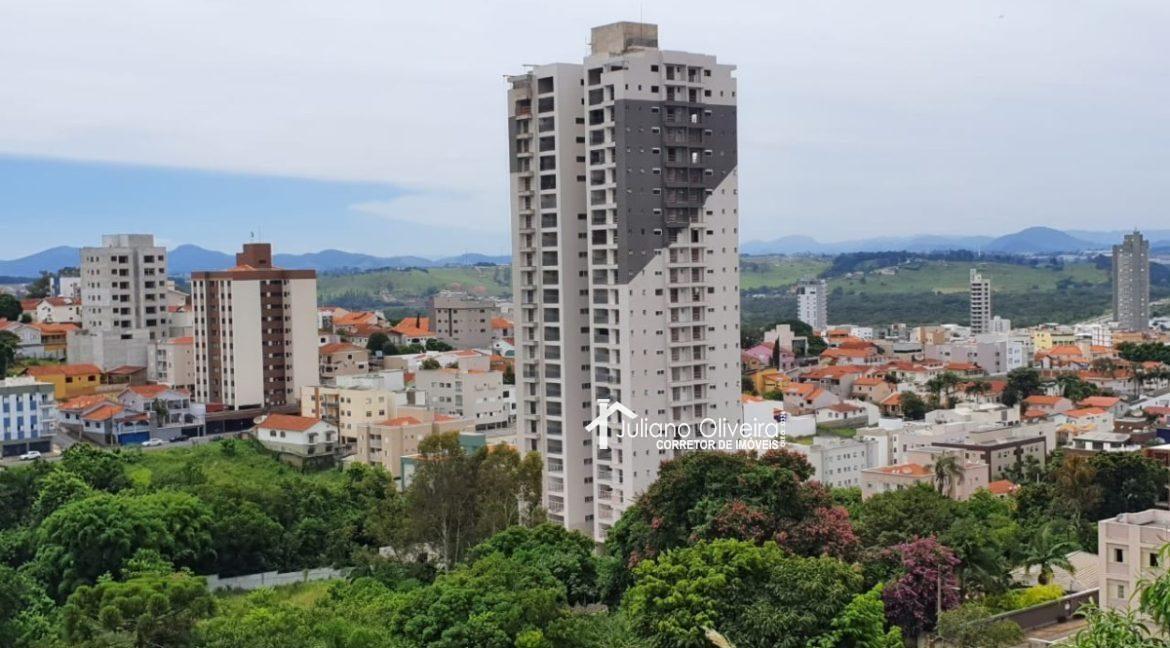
<point>900,516</point>
<point>100,469</point>
<point>9,343</point>
<point>756,596</point>
<point>377,341</point>
<point>429,364</point>
<point>948,473</point>
<point>9,307</point>
<point>914,599</point>
<point>41,287</point>
<point>862,624</point>
<point>1127,482</point>
<point>970,626</point>
<point>566,555</point>
<point>151,609</point>
<point>1021,383</point>
<point>25,610</point>
<point>913,407</point>
<point>437,345</point>
<point>776,354</point>
<point>1046,549</point>
<point>59,488</point>
<point>490,603</point>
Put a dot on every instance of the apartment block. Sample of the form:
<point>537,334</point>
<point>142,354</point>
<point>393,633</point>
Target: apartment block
<point>351,407</point>
<point>1127,553</point>
<point>27,411</point>
<point>255,332</point>
<point>625,265</point>
<point>812,303</point>
<point>980,292</point>
<point>124,285</point>
<point>479,396</point>
<point>462,320</point>
<point>172,362</point>
<point>1131,283</point>
<point>838,462</point>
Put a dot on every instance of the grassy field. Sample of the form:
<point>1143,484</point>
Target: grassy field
<point>243,467</point>
<point>774,272</point>
<point>948,277</point>
<point>301,595</point>
<point>389,287</point>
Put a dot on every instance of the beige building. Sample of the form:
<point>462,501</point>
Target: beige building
<point>342,359</point>
<point>386,442</point>
<point>255,332</point>
<point>1127,552</point>
<point>479,396</point>
<point>350,408</point>
<point>463,320</point>
<point>172,362</point>
<point>973,476</point>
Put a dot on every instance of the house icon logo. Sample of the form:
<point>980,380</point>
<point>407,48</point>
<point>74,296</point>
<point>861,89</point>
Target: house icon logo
<point>600,423</point>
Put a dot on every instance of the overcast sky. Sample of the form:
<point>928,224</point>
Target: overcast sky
<point>857,118</point>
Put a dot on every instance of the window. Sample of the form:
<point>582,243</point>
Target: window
<point>1118,555</point>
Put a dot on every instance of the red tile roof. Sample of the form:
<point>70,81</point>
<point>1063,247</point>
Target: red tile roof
<point>288,422</point>
<point>186,339</point>
<point>1084,412</point>
<point>338,347</point>
<point>64,369</point>
<point>1002,487</point>
<point>148,391</point>
<point>400,421</point>
<point>103,413</point>
<point>1100,401</point>
<point>1040,399</point>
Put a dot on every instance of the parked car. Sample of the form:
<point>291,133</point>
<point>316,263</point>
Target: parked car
<point>30,455</point>
<point>152,443</point>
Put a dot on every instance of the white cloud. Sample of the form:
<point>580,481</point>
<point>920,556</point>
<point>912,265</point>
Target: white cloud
<point>856,118</point>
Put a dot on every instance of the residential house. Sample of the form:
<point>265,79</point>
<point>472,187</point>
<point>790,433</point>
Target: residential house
<point>58,310</point>
<point>172,414</point>
<point>873,389</point>
<point>342,359</point>
<point>411,330</point>
<point>807,397</point>
<point>884,479</point>
<point>299,440</point>
<point>68,380</point>
<point>1047,404</point>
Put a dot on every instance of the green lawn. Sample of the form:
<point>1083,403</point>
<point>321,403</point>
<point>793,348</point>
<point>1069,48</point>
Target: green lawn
<point>773,272</point>
<point>302,595</point>
<point>234,467</point>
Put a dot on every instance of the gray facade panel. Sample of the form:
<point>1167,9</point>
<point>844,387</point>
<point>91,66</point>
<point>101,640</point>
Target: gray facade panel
<point>641,231</point>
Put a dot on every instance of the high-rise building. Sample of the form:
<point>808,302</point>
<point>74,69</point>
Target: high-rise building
<point>625,264</point>
<point>980,303</point>
<point>1131,283</point>
<point>812,303</point>
<point>255,332</point>
<point>124,285</point>
<point>463,320</point>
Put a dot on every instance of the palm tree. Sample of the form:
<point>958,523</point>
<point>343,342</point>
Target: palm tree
<point>1047,550</point>
<point>948,473</point>
<point>1076,482</point>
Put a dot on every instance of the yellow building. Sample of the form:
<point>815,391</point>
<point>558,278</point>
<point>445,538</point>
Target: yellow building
<point>1041,340</point>
<point>772,379</point>
<point>69,380</point>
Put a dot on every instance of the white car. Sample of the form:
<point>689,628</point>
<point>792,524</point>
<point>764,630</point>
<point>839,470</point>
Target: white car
<point>30,455</point>
<point>152,443</point>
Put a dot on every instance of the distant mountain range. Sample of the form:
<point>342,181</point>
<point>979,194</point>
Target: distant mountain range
<point>1034,240</point>
<point>185,259</point>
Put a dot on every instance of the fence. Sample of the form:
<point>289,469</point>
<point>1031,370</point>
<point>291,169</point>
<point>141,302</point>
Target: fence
<point>250,582</point>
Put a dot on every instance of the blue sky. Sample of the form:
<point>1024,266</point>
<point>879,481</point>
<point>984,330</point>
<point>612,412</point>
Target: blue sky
<point>50,202</point>
<point>380,127</point>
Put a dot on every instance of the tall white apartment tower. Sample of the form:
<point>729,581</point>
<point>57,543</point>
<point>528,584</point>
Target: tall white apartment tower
<point>980,303</point>
<point>1131,283</point>
<point>124,285</point>
<point>626,271</point>
<point>812,303</point>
